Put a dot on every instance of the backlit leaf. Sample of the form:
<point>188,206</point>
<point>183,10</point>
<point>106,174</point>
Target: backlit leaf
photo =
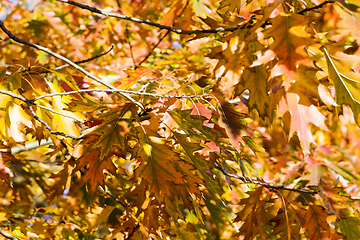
<point>160,164</point>
<point>301,117</point>
<point>347,84</point>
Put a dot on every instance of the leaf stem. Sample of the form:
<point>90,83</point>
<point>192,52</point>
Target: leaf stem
<point>268,186</point>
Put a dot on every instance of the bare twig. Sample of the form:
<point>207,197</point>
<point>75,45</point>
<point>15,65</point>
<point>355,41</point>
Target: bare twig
<point>11,94</point>
<point>47,126</point>
<point>132,232</point>
<point>59,113</point>
<point>16,39</point>
<point>162,38</point>
<point>29,104</point>
<point>38,47</point>
<point>113,90</point>
<point>8,235</point>
<point>152,50</point>
<point>268,186</point>
<point>79,62</point>
<point>160,26</point>
<point>130,46</point>
<point>124,206</point>
<point>30,146</point>
<point>113,197</point>
<point>316,7</point>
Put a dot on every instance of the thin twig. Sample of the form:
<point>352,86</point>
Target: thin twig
<point>38,47</point>
<point>59,113</point>
<point>30,146</point>
<point>132,232</point>
<point>124,206</point>
<point>152,50</point>
<point>128,42</point>
<point>88,74</point>
<point>160,26</point>
<point>8,235</point>
<point>11,94</point>
<point>113,197</point>
<point>162,38</point>
<point>29,106</point>
<point>268,186</point>
<point>113,91</point>
<point>316,7</point>
<point>47,126</point>
<point>79,62</point>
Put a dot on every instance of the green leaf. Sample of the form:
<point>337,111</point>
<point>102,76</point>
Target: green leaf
<point>199,163</point>
<point>348,175</point>
<point>350,227</point>
<point>253,145</point>
<point>188,122</point>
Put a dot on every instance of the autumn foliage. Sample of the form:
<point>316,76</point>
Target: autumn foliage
<point>184,119</point>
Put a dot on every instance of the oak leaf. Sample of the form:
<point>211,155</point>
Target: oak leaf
<point>255,80</point>
<point>103,141</point>
<point>289,36</point>
<point>253,215</point>
<point>346,82</point>
<point>301,117</point>
<point>94,173</point>
<point>159,163</point>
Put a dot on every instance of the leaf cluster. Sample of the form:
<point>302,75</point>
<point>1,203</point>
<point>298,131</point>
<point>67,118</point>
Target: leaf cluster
<point>179,119</point>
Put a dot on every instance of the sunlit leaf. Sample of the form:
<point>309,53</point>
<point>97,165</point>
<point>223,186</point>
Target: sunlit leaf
<point>346,83</point>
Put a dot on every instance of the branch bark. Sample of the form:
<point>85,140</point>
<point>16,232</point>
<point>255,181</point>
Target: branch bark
<point>160,26</point>
<point>268,186</point>
<point>8,235</point>
<point>31,103</point>
<point>68,61</point>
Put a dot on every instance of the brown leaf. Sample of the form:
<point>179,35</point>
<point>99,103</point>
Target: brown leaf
<point>94,173</point>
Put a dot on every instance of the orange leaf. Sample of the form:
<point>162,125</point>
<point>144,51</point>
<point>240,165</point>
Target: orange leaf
<point>5,172</point>
<point>134,77</point>
<point>95,172</point>
<point>160,164</point>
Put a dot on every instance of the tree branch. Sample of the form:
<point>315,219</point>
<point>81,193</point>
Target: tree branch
<point>160,26</point>
<point>162,38</point>
<point>47,126</point>
<point>113,91</point>
<point>11,94</point>
<point>29,104</point>
<point>130,46</point>
<point>79,62</point>
<point>59,113</point>
<point>30,146</point>
<point>268,186</point>
<point>316,7</point>
<point>152,50</point>
<point>74,65</point>
<point>8,235</point>
<point>113,197</point>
